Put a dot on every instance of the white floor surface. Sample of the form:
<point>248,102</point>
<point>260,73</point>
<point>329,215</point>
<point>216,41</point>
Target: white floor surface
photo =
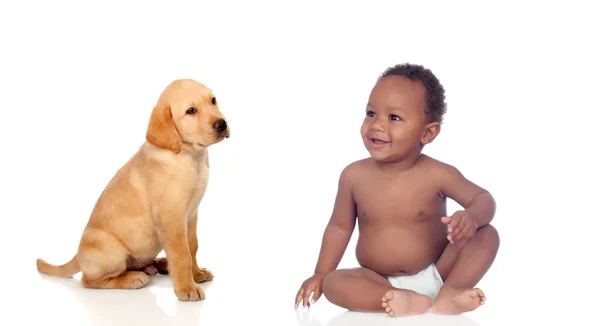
<point>262,293</point>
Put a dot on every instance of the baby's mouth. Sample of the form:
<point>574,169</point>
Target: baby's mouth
<point>378,141</point>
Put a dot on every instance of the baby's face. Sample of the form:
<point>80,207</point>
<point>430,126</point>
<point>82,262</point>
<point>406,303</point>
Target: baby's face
<point>395,118</point>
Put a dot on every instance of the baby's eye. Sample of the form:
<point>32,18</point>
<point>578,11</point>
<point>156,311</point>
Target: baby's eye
<point>370,114</point>
<point>395,117</point>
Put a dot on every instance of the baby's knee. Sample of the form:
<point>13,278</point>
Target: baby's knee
<point>332,281</point>
<point>326,286</point>
<point>489,235</point>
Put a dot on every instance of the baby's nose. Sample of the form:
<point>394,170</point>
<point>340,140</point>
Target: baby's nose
<point>377,126</point>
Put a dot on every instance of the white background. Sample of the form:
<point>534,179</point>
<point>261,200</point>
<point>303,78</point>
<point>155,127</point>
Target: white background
<point>78,82</point>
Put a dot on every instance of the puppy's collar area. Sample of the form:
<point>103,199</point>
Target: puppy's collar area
<point>195,146</point>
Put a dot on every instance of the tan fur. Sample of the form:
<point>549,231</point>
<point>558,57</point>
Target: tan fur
<point>152,202</point>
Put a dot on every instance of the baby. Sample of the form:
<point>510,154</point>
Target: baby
<point>413,256</point>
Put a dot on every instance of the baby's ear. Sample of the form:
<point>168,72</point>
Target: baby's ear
<point>431,131</point>
<point>161,129</point>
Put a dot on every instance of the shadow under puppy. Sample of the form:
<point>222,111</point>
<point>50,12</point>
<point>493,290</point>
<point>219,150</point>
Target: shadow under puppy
<point>152,202</point>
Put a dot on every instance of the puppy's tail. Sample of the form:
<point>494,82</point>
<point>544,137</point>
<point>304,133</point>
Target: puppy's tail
<point>67,270</point>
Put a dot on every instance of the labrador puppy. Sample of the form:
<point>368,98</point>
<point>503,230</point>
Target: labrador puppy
<point>152,202</point>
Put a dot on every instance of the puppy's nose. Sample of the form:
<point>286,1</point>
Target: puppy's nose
<point>220,125</point>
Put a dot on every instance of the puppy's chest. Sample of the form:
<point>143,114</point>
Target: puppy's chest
<point>197,189</point>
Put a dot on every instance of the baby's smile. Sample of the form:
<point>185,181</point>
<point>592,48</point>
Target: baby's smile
<point>378,142</point>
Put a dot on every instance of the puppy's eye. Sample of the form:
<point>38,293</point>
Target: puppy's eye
<point>214,100</point>
<point>190,111</point>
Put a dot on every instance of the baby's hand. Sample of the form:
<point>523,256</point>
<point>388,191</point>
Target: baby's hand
<point>311,286</point>
<point>461,226</point>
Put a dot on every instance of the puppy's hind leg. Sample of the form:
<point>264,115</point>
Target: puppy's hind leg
<point>103,262</point>
<point>161,265</point>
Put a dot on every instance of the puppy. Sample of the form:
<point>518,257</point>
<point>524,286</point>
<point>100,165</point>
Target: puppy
<point>152,202</point>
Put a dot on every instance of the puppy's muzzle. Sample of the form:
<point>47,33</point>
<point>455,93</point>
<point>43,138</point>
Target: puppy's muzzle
<point>221,127</point>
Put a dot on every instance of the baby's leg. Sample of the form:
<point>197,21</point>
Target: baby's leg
<point>462,266</point>
<point>361,289</point>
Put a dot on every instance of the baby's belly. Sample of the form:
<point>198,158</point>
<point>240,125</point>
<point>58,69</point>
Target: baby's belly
<point>399,251</point>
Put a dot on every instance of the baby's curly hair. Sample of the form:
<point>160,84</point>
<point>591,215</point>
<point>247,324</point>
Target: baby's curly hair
<point>435,107</point>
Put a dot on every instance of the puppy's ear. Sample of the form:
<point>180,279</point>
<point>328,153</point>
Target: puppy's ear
<point>161,129</point>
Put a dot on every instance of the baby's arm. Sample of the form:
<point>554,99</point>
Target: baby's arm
<point>477,201</point>
<point>340,227</point>
<point>335,239</point>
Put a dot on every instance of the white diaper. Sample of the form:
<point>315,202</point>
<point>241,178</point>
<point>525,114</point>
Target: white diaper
<point>427,282</point>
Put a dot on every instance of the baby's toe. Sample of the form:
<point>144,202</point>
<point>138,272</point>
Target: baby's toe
<point>384,304</point>
<point>389,295</point>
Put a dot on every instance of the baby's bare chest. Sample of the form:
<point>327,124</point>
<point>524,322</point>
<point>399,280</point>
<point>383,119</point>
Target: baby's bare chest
<point>397,202</point>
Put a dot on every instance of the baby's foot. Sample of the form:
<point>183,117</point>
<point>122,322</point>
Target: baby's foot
<point>457,301</point>
<point>399,302</point>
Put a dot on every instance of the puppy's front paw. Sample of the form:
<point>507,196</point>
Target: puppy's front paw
<point>193,292</point>
<point>203,275</point>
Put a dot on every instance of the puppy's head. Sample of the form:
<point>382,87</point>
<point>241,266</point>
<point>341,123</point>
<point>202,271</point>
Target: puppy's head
<point>187,112</point>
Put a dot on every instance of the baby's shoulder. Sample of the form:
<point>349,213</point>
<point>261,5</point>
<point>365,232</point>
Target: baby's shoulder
<point>354,169</point>
<point>437,168</point>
